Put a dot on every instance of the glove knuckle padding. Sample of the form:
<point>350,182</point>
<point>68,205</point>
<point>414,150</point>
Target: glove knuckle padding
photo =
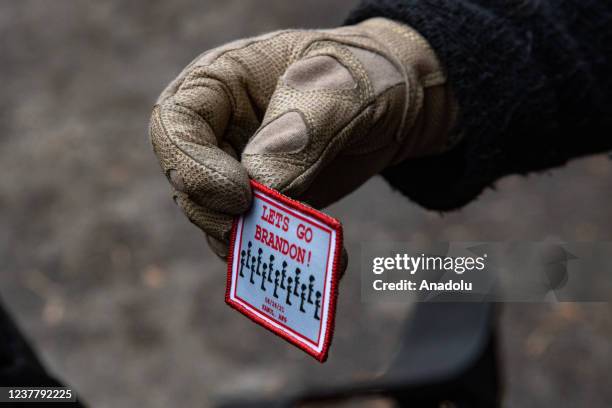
<point>331,92</point>
<point>249,75</point>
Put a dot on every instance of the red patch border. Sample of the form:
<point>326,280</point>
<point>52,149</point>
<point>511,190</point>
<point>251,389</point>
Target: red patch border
<point>335,225</point>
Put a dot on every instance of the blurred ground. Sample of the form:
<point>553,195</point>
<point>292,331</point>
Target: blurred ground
<point>118,291</point>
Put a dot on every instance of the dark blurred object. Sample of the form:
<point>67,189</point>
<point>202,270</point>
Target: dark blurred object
<point>19,366</point>
<point>448,358</point>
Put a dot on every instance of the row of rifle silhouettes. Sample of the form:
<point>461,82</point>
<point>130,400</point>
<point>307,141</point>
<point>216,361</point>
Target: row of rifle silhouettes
<point>264,274</point>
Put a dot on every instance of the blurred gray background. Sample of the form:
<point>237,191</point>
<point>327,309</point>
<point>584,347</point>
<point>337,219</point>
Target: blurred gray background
<point>120,294</point>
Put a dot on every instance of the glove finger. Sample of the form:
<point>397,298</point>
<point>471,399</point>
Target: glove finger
<point>191,159</point>
<point>220,248</point>
<point>230,86</point>
<point>209,112</point>
<point>215,224</point>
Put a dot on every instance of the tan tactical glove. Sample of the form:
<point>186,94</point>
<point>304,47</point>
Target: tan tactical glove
<point>313,114</point>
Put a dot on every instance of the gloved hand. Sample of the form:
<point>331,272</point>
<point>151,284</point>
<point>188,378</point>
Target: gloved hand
<point>313,114</point>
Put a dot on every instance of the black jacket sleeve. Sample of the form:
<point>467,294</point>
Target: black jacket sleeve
<point>533,79</point>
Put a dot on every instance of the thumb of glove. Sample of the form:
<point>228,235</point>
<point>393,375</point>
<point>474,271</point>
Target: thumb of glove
<point>322,104</point>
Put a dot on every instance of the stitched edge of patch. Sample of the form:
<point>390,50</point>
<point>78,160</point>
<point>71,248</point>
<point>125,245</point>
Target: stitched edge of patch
<point>331,222</point>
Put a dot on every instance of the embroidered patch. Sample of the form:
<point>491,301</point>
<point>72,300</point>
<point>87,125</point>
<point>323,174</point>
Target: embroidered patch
<point>283,269</point>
